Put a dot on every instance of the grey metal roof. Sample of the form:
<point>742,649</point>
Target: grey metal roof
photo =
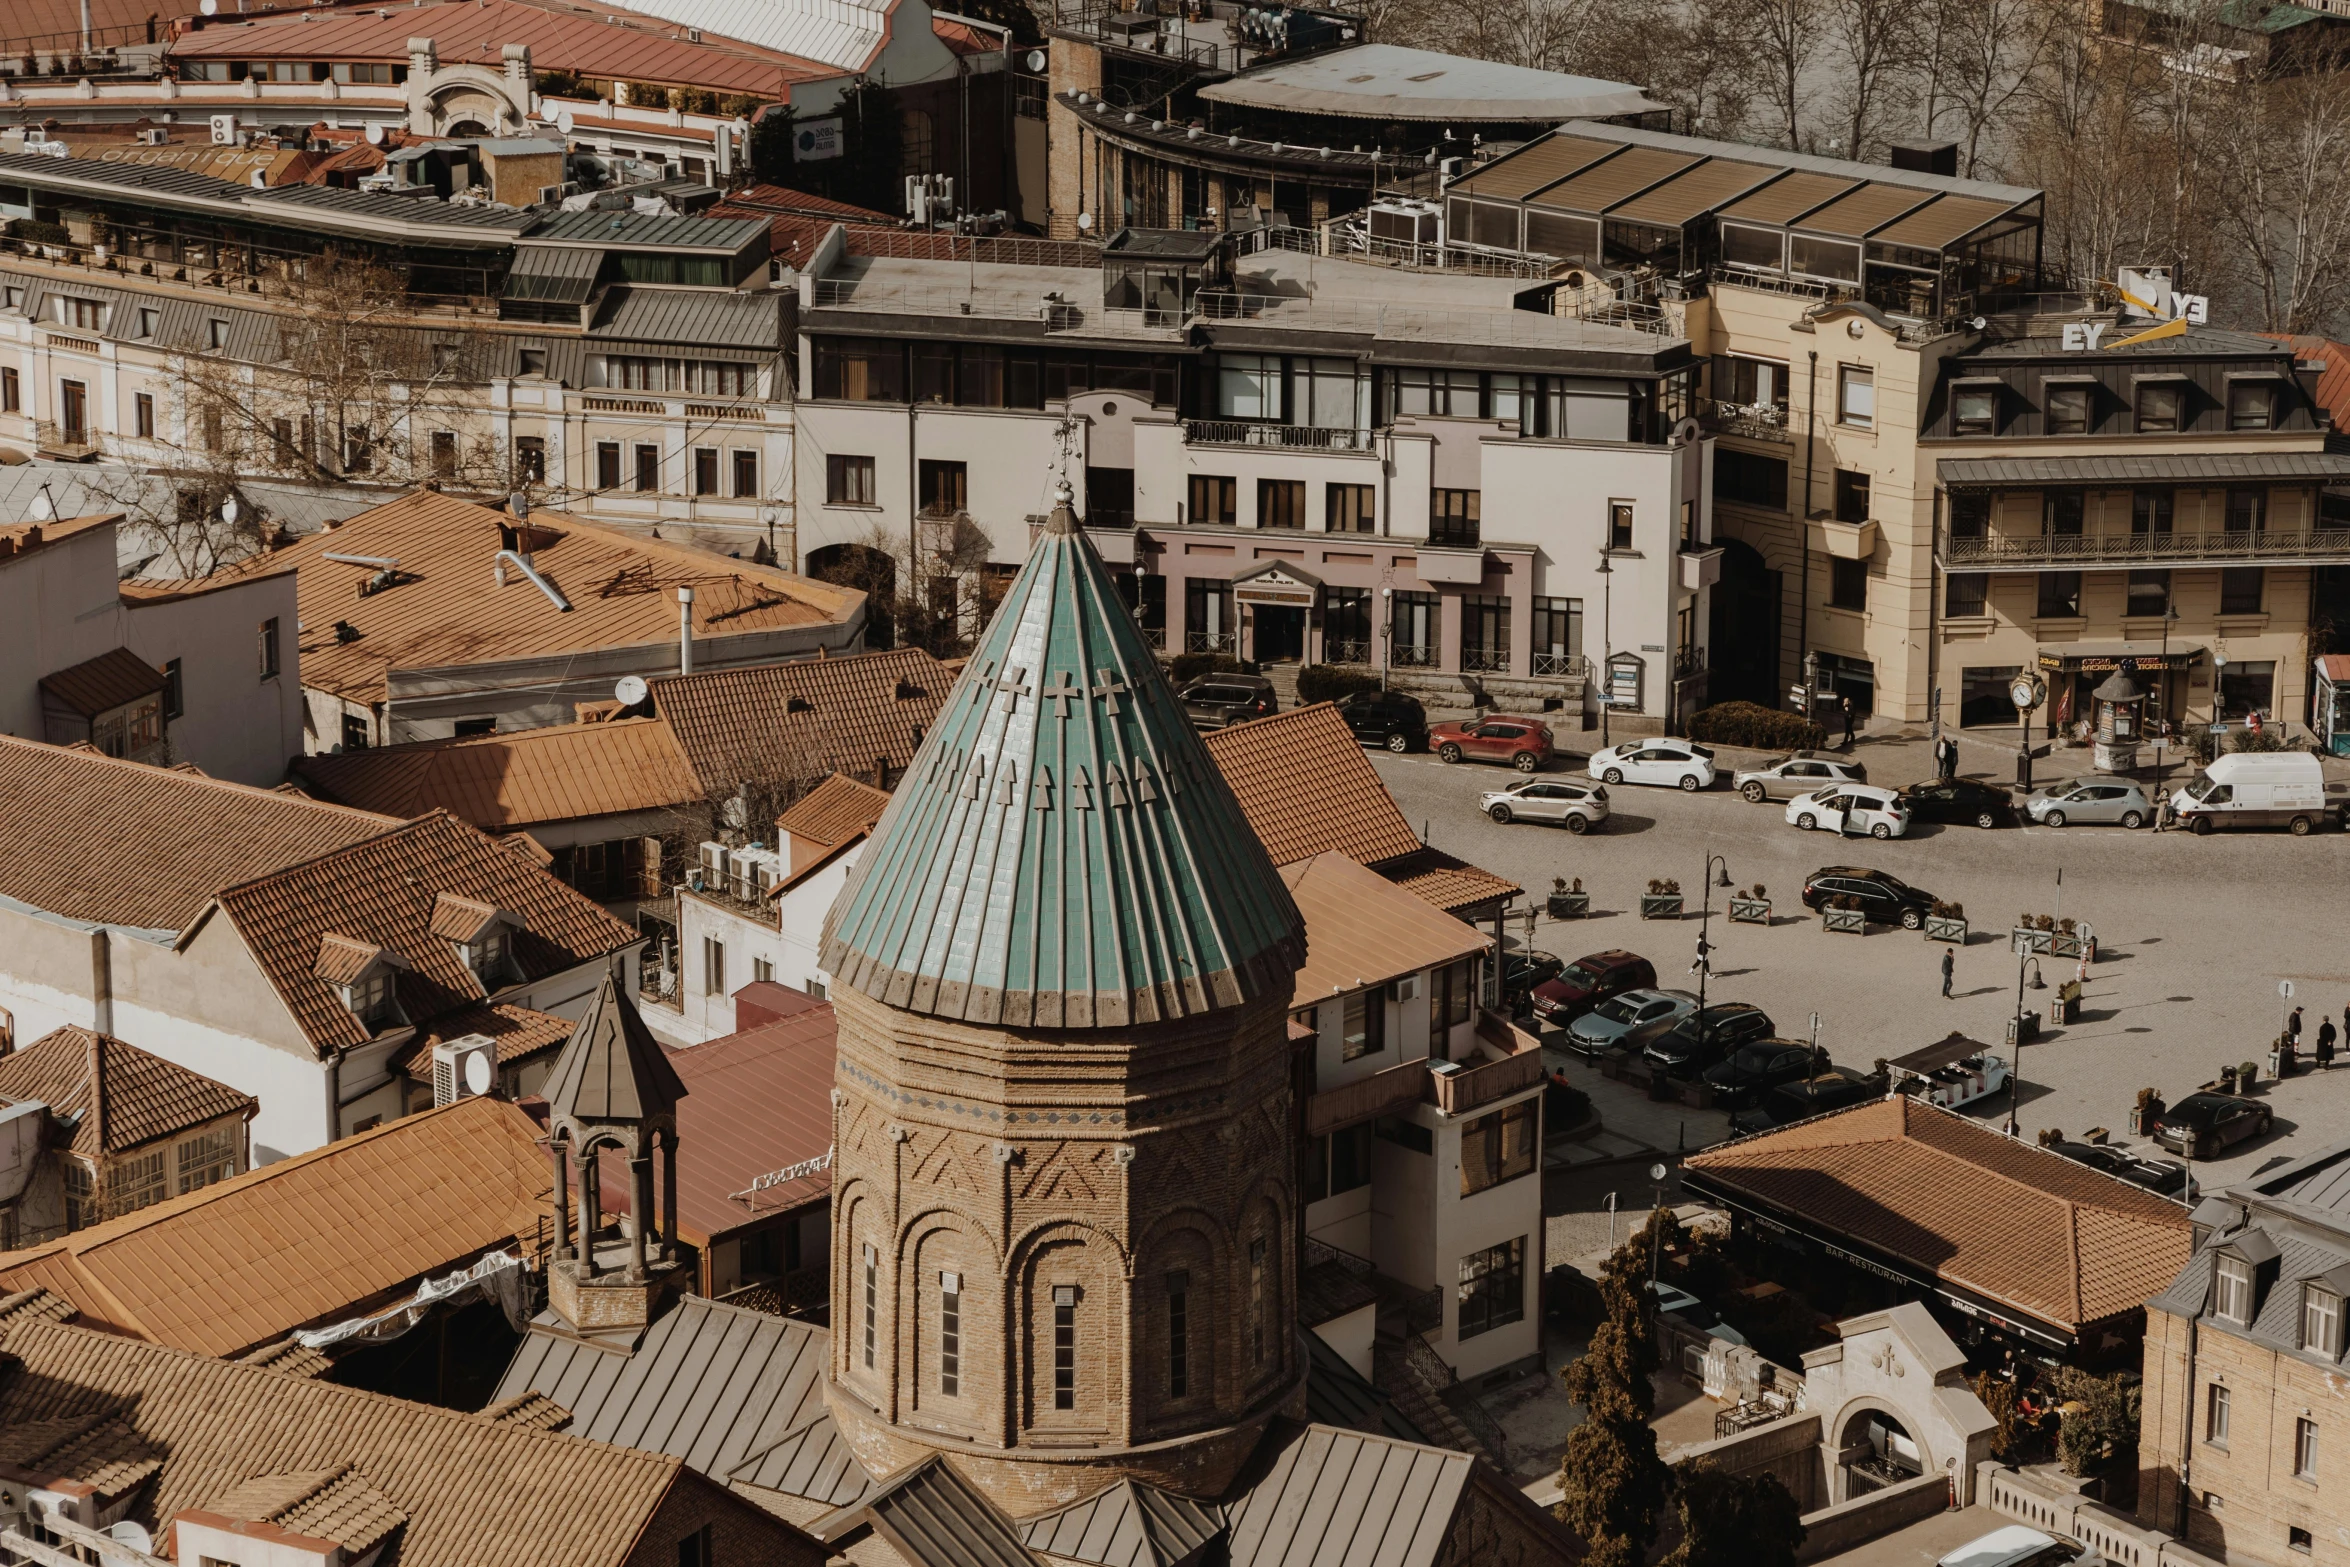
<point>1876,173</point>
<point>638,231</point>
<point>710,318</point>
<point>1960,473</point>
<point>1339,1395</point>
<point>611,1069</point>
<point>736,1394</point>
<point>2195,341</point>
<point>561,274</point>
<point>1128,1525</point>
<point>398,209</point>
<point>1342,1497</point>
<point>1063,853</point>
<point>2318,1183</point>
<point>2276,1321</point>
<point>936,1518</point>
<point>1390,82</point>
<point>151,179</point>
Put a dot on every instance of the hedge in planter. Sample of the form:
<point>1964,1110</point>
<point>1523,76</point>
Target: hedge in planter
<point>1662,901</point>
<point>1946,921</point>
<point>1748,724</point>
<point>1331,683</point>
<point>1751,908</point>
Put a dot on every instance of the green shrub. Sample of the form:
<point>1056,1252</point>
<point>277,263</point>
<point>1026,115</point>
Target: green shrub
<point>2270,737</point>
<point>1188,667</point>
<point>1331,683</point>
<point>1746,723</point>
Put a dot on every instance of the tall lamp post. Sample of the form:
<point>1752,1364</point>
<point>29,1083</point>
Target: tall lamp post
<point>1705,947</point>
<point>1607,646</point>
<point>2027,691</point>
<point>1386,633</point>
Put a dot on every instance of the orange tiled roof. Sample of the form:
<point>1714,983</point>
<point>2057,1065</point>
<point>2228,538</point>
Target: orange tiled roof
<point>835,812</point>
<point>468,1490</point>
<point>19,538</point>
<point>99,685</point>
<point>1453,885</point>
<point>796,722</point>
<point>519,1032</point>
<point>561,773</point>
<point>1362,929</point>
<point>447,607</point>
<point>2013,1223</point>
<point>121,1096</point>
<point>382,893</point>
<point>2333,382</point>
<point>306,1240</point>
<point>65,808</point>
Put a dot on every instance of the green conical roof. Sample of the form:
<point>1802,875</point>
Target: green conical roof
<point>1063,853</point>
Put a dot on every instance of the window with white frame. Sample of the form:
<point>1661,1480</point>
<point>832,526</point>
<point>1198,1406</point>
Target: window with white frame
<point>2321,1321</point>
<point>135,1182</point>
<point>1856,396</point>
<point>81,1194</point>
<point>370,996</point>
<point>2305,1448</point>
<point>2216,1409</point>
<point>209,1156</point>
<point>490,956</point>
<point>2231,1290</point>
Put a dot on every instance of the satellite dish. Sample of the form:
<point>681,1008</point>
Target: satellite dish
<point>477,1072</point>
<point>129,1533</point>
<point>43,508</point>
<point>210,7</point>
<point>564,122</point>
<point>1085,222</point>
<point>1036,61</point>
<point>630,691</point>
<point>375,131</point>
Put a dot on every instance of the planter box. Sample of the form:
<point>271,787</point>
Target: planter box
<point>1751,911</point>
<point>1568,905</point>
<point>2037,940</point>
<point>1851,922</point>
<point>1660,906</point>
<point>2061,945</point>
<point>1950,930</point>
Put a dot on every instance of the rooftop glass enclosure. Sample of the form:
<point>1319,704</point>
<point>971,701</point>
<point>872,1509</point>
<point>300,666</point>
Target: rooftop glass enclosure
<point>1161,271</point>
<point>1678,208</point>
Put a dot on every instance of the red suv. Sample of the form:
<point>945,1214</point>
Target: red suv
<point>1524,743</point>
<point>1586,982</point>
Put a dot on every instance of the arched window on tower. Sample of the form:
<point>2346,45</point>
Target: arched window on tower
<point>1179,1333</point>
<point>1260,1289</point>
<point>872,1302</point>
<point>950,1334</point>
<point>1065,1346</point>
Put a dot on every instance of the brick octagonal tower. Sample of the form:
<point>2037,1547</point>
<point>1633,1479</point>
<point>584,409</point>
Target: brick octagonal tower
<point>1064,1207</point>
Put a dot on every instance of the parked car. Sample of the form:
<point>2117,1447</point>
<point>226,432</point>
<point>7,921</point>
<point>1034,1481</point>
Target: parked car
<point>1749,1071</point>
<point>2163,1177</point>
<point>1388,718</point>
<point>2259,789</point>
<point>1959,801</point>
<point>1220,701</point>
<point>1835,1089</point>
<point>1885,900</point>
<point>1523,970</point>
<point>1697,1041</point>
<point>1524,743</point>
<point>1805,772</point>
<point>1589,980</point>
<point>1576,807</point>
<point>1851,808</point>
<point>2087,800</point>
<point>1676,764</point>
<point>1673,1301</point>
<point>2015,1546</point>
<point>1605,1026</point>
<point>2201,1125</point>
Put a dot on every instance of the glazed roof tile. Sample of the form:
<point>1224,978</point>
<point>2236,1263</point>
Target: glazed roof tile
<point>527,778</point>
<point>118,1096</point>
<point>1062,853</point>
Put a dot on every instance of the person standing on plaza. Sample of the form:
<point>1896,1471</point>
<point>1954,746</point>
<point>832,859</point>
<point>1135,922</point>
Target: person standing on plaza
<point>2293,1028</point>
<point>1949,964</point>
<point>1846,704</point>
<point>2325,1044</point>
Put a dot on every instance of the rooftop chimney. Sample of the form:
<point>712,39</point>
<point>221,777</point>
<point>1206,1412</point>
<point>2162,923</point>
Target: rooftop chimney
<point>1927,157</point>
<point>685,631</point>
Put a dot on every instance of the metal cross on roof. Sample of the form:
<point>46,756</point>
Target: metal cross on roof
<point>1062,693</point>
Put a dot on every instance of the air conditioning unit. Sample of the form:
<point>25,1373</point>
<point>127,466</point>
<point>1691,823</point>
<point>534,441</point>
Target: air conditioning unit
<point>154,136</point>
<point>1407,222</point>
<point>224,130</point>
<point>464,1068</point>
<point>712,859</point>
<point>1405,989</point>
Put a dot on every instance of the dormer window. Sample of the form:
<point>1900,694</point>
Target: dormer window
<point>487,957</point>
<point>370,997</point>
<point>483,935</point>
<point>2321,1321</point>
<point>364,977</point>
<point>2231,1290</point>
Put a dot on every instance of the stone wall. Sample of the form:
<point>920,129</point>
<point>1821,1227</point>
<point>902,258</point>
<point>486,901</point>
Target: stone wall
<point>1788,1449</point>
<point>1847,1524</point>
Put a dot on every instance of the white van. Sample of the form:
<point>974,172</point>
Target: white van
<point>2258,789</point>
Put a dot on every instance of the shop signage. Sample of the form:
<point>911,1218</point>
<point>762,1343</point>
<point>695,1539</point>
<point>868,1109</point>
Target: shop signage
<point>1276,589</point>
<point>2106,662</point>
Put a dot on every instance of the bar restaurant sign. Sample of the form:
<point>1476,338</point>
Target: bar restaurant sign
<point>1278,586</point>
<point>2127,663</point>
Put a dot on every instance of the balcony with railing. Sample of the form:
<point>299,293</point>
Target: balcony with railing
<point>1295,437</point>
<point>1345,650</point>
<point>1412,655</point>
<point>1750,421</point>
<point>1503,1060</point>
<point>74,442</point>
<point>1561,666</point>
<point>1485,660</point>
<point>2127,551</point>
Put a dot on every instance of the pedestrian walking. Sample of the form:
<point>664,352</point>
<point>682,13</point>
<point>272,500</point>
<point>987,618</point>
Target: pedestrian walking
<point>2325,1044</point>
<point>1846,704</point>
<point>1949,963</point>
<point>2293,1027</point>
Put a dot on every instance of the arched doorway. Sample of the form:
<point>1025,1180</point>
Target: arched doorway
<point>871,571</point>
<point>1876,1451</point>
<point>1743,634</point>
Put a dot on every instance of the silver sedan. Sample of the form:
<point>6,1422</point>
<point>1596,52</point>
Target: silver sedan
<point>1806,772</point>
<point>2084,800</point>
<point>1598,1029</point>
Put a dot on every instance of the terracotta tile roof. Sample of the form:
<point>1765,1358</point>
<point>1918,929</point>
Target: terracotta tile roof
<point>217,833</point>
<point>289,1358</point>
<point>33,1305</point>
<point>519,1032</point>
<point>382,892</point>
<point>471,1490</point>
<point>22,538</point>
<point>760,200</point>
<point>1348,808</point>
<point>341,960</point>
<point>244,1262</point>
<point>837,811</point>
<point>1362,929</point>
<point>2010,1222</point>
<point>2333,382</point>
<point>526,778</point>
<point>101,684</point>
<point>464,919</point>
<point>796,722</point>
<point>140,592</point>
<point>535,1410</point>
<point>139,1098</point>
<point>335,1503</point>
<point>447,607</point>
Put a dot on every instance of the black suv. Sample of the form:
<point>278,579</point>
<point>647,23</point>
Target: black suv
<point>1757,1067</point>
<point>1883,899</point>
<point>1220,701</point>
<point>1387,718</point>
<point>1680,1051</point>
<point>1836,1089</point>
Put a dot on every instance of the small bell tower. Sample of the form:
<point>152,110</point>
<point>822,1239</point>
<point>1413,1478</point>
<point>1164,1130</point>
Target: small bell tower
<point>612,1091</point>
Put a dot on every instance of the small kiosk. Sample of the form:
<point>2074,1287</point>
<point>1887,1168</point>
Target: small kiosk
<point>2121,718</point>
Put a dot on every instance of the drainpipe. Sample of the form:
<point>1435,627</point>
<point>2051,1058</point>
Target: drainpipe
<point>101,981</point>
<point>1811,451</point>
<point>685,631</point>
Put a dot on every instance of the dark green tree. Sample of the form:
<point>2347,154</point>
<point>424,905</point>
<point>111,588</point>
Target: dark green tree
<point>1613,1487</point>
<point>1733,1520</point>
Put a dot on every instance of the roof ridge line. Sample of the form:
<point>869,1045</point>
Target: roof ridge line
<point>397,829</point>
<point>190,780</point>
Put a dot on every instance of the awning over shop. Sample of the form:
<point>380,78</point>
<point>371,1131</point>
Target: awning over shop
<point>2012,473</point>
<point>2098,656</point>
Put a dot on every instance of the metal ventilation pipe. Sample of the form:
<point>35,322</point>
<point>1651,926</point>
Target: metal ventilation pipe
<point>101,981</point>
<point>685,631</point>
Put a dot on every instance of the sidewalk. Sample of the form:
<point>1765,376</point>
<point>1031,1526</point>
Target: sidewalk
<point>1630,1125</point>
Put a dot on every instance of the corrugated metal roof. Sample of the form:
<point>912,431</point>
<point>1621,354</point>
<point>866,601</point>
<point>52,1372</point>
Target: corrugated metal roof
<point>1606,184</point>
<point>1543,161</point>
<point>843,34</point>
<point>704,318</point>
<point>635,230</point>
<point>612,1069</point>
<point>1700,190</point>
<point>498,782</point>
<point>1339,1395</point>
<point>1864,211</point>
<point>398,209</point>
<point>1959,473</point>
<point>1785,200</point>
<point>1128,1525</point>
<point>936,1518</point>
<point>727,1390</point>
<point>1390,82</point>
<point>1081,871</point>
<point>560,274</point>
<point>1949,220</point>
<point>1345,1496</point>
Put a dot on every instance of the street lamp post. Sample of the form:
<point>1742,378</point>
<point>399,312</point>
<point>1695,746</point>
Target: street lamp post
<point>1607,646</point>
<point>2170,615</point>
<point>2027,692</point>
<point>2015,1068</point>
<point>1705,947</point>
<point>1386,633</point>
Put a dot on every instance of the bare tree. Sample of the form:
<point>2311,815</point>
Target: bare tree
<point>1976,60</point>
<point>2278,153</point>
<point>1874,45</point>
<point>1788,35</point>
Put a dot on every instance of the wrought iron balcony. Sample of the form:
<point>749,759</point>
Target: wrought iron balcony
<point>1241,432</point>
<point>2087,551</point>
<point>1753,421</point>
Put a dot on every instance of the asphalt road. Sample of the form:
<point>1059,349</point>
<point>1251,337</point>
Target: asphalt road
<point>2193,934</point>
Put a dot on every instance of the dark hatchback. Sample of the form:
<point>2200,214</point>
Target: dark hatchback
<point>2201,1125</point>
<point>1524,970</point>
<point>1690,1045</point>
<point>1387,718</point>
<point>1837,1089</point>
<point>1586,982</point>
<point>2163,1177</point>
<point>1960,802</point>
<point>1883,899</point>
<point>1754,1069</point>
<point>1220,701</point>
